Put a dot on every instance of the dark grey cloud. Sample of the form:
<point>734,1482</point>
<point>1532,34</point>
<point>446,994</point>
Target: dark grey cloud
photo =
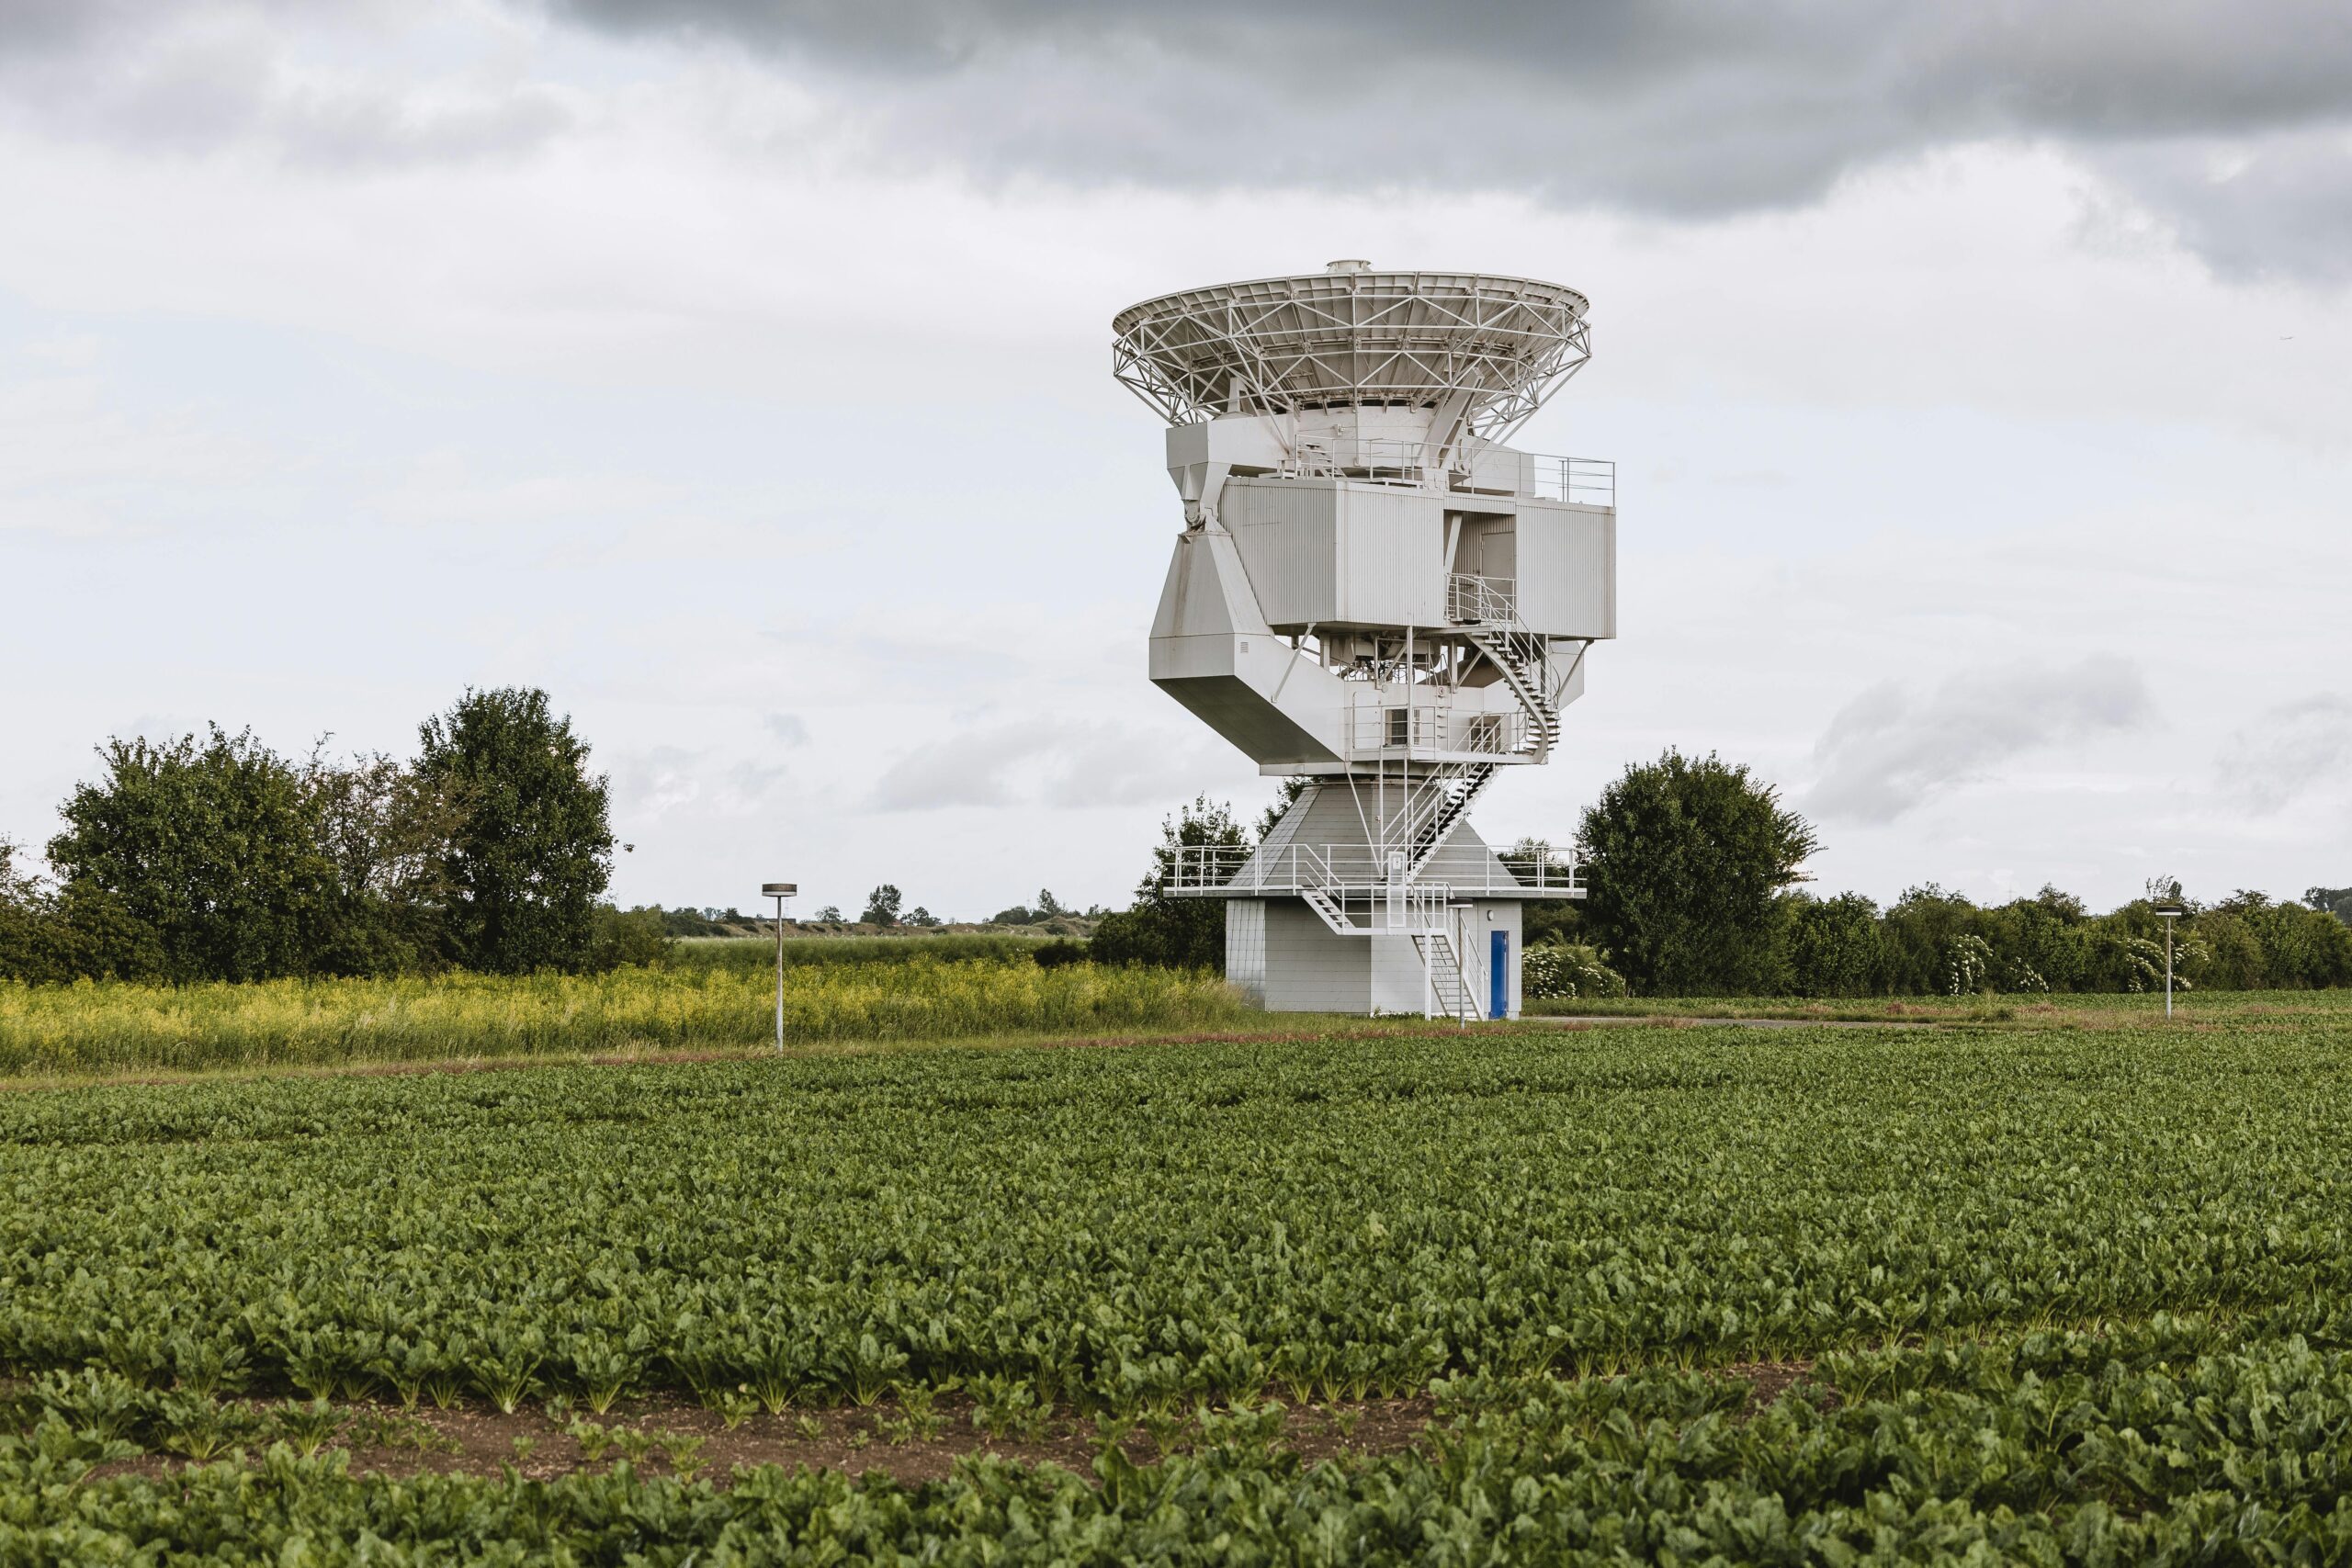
<point>2232,123</point>
<point>1895,747</point>
<point>1683,108</point>
<point>2289,751</point>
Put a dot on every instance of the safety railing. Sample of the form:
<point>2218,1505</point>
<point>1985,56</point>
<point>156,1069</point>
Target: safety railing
<point>1429,729</point>
<point>1481,601</point>
<point>1358,869</point>
<point>1588,481</point>
<point>1498,470</point>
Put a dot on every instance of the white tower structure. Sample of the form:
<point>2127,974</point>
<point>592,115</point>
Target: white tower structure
<point>1373,594</point>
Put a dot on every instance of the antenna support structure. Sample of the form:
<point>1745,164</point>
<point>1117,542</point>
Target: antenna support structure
<point>1374,595</point>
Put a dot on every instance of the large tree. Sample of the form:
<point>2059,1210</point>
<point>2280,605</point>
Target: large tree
<point>1684,858</point>
<point>208,848</point>
<point>530,840</point>
<point>386,833</point>
<point>1179,933</point>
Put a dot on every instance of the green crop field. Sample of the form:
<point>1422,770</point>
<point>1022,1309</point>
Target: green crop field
<point>2020,1290</point>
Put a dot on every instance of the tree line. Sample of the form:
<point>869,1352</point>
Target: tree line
<point>1694,872</point>
<point>214,857</point>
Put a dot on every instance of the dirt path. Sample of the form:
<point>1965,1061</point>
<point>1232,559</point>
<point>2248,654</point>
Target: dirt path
<point>669,1435</point>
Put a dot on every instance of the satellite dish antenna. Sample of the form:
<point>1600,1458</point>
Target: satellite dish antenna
<point>1374,595</point>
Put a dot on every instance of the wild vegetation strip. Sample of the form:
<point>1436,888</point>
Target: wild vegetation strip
<point>119,1026</point>
<point>2061,1294</point>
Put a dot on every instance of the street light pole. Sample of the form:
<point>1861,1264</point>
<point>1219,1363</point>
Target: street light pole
<point>779,891</point>
<point>2169,912</point>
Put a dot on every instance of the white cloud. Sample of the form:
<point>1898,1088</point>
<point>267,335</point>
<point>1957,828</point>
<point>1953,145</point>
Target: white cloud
<point>1895,747</point>
<point>670,781</point>
<point>2289,751</point>
<point>1064,766</point>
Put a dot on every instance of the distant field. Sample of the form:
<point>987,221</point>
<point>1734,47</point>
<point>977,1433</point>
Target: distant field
<point>760,952</point>
<point>2105,1010</point>
<point>2008,1292</point>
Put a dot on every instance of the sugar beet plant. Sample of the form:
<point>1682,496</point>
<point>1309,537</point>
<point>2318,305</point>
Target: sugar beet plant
<point>1135,1230</point>
<point>2128,1446</point>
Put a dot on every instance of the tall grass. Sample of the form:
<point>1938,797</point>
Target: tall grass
<point>759,952</point>
<point>96,1028</point>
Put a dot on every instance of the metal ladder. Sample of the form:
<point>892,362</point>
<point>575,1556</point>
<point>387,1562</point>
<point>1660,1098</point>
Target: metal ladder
<point>1446,979</point>
<point>1522,659</point>
<point>1451,788</point>
<point>1334,914</point>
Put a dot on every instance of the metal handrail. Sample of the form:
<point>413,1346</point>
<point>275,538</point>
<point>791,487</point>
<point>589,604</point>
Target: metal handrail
<point>1587,481</point>
<point>1435,727</point>
<point>1539,476</point>
<point>1357,870</point>
<point>1481,601</point>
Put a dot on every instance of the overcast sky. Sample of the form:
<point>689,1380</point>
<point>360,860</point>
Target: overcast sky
<point>1979,379</point>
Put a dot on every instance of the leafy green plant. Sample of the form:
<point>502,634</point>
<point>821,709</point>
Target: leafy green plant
<point>387,1429</point>
<point>684,1454</point>
<point>199,1427</point>
<point>635,1443</point>
<point>733,1406</point>
<point>1008,1408</point>
<point>594,1437</point>
<point>306,1427</point>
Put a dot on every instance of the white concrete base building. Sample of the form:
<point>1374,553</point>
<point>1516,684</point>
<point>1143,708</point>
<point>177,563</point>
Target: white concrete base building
<point>1371,593</point>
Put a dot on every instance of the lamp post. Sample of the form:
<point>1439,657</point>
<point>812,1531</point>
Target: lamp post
<point>779,891</point>
<point>2170,912</point>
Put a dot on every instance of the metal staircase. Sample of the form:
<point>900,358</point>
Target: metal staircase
<point>1524,663</point>
<point>1335,914</point>
<point>1446,979</point>
<point>1442,797</point>
<point>1488,617</point>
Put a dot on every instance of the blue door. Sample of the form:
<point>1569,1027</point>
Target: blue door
<point>1498,975</point>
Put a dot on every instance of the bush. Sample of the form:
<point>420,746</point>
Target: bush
<point>1060,951</point>
<point>211,845</point>
<point>1163,929</point>
<point>1567,969</point>
<point>1833,945</point>
<point>621,937</point>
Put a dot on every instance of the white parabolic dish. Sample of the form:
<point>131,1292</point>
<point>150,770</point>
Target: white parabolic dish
<point>1352,338</point>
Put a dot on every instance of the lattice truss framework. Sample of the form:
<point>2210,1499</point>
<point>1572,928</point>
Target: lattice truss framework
<point>1501,346</point>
